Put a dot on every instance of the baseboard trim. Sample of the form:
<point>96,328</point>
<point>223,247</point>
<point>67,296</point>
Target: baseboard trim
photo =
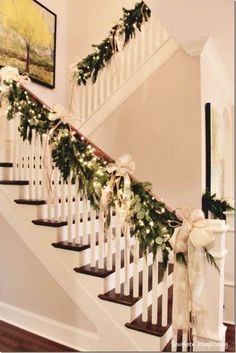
<point>51,329</point>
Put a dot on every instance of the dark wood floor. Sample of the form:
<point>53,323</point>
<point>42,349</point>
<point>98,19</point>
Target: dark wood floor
<point>14,339</point>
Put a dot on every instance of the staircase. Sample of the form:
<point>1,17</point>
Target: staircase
<point>110,278</point>
<point>124,292</point>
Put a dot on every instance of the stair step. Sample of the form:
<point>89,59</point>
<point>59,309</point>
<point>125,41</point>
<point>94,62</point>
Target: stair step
<point>14,182</point>
<point>6,165</point>
<point>148,327</point>
<point>103,273</point>
<point>70,246</point>
<point>130,300</point>
<point>30,202</point>
<point>49,223</point>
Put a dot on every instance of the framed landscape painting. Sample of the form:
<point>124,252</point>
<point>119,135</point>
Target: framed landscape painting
<point>28,39</point>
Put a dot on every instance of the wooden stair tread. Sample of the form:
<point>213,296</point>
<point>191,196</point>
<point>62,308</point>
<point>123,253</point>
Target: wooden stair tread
<point>6,165</point>
<point>14,182</point>
<point>96,272</point>
<point>30,202</point>
<point>70,246</point>
<point>49,223</point>
<point>130,300</point>
<point>147,327</point>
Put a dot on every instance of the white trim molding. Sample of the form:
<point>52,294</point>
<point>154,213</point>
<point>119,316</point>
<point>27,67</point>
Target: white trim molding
<point>51,329</point>
<point>206,49</point>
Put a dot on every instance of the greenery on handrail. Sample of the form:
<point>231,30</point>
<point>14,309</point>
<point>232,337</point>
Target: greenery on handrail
<point>71,153</point>
<point>216,206</point>
<point>89,67</point>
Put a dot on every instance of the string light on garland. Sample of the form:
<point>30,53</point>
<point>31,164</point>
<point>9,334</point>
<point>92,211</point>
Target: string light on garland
<point>126,27</point>
<point>72,154</point>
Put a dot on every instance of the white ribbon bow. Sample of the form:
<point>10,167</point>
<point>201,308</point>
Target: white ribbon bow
<point>8,73</point>
<point>123,166</point>
<point>189,290</point>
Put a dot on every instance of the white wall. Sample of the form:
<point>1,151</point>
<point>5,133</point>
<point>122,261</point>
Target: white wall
<point>160,127</point>
<point>25,284</point>
<point>89,23</point>
<point>58,94</point>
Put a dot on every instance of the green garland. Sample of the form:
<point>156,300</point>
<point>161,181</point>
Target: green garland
<point>89,67</point>
<point>215,206</point>
<point>72,154</point>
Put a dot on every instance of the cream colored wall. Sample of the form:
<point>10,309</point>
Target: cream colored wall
<point>89,23</point>
<point>160,127</point>
<point>58,94</point>
<point>25,284</point>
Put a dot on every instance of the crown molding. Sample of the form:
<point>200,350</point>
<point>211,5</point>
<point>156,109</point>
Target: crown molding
<point>206,49</point>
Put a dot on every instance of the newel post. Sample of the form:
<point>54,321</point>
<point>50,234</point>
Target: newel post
<point>213,338</point>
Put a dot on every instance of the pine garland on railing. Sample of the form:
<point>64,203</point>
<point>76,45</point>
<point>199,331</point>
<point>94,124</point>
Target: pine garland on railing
<point>71,153</point>
<point>124,30</point>
<point>151,222</point>
<point>216,206</point>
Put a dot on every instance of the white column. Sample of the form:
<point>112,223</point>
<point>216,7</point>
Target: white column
<point>229,270</point>
<point>213,337</point>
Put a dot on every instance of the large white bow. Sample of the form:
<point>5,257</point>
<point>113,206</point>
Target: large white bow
<point>189,289</point>
<point>123,166</point>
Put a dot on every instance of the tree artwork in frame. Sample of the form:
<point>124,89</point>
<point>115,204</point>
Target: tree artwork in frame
<point>28,39</point>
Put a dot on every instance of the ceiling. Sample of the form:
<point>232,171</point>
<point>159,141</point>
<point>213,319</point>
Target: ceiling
<point>188,20</point>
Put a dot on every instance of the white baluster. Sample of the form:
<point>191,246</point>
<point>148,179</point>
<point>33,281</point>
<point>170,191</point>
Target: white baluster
<point>109,246</point>
<point>164,317</point>
<point>37,165</point>
<point>117,253</point>
<point>56,193</point>
<point>174,341</point>
<point>145,290</point>
<point>63,199</point>
<point>69,206</point>
<point>89,98</point>
<point>108,82</point>
<point>184,341</point>
<point>15,174</point>
<point>77,212</point>
<point>154,291</point>
<point>83,102</point>
<point>136,271</point>
<point>31,167</point>
<point>85,220</point>
<point>143,41</point>
<point>101,241</point>
<point>93,238</point>
<point>127,259</point>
